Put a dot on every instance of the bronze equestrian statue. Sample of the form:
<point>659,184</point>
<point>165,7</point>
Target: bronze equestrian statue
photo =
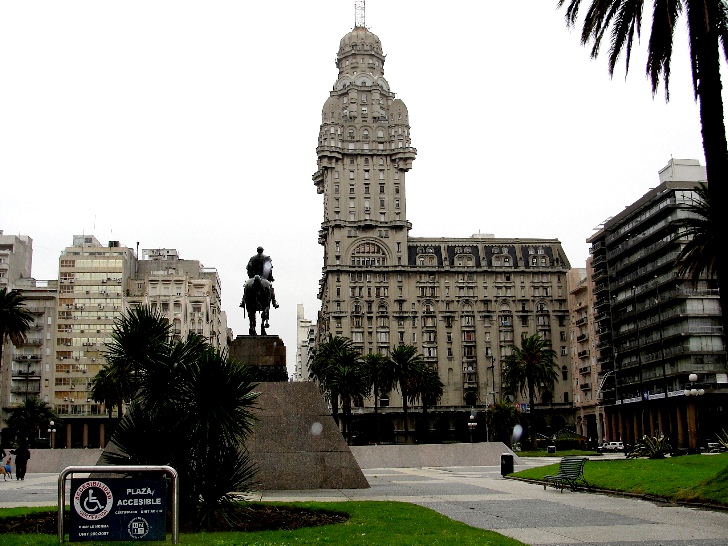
<point>258,293</point>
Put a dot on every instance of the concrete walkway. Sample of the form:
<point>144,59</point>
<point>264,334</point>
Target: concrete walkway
<point>481,497</point>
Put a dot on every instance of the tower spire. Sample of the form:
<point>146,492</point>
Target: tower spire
<point>359,18</point>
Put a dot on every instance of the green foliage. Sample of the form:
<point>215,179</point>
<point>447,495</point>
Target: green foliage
<point>337,367</point>
<point>407,365</point>
<point>30,418</point>
<point>15,321</point>
<point>191,410</point>
<point>371,524</point>
<point>695,478</point>
<point>723,438</point>
<point>530,369</point>
<point>501,418</point>
<point>701,230</point>
<point>650,447</point>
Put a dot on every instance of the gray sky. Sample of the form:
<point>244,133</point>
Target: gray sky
<point>193,125</point>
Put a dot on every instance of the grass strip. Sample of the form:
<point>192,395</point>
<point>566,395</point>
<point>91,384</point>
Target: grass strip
<point>372,523</point>
<point>689,478</point>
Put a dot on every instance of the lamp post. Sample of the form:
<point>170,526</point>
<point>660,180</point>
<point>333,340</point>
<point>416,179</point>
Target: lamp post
<point>692,410</point>
<point>51,434</point>
<point>472,424</point>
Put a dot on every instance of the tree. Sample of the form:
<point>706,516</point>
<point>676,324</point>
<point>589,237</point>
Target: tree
<point>139,336</point>
<point>530,369</point>
<point>30,418</point>
<point>191,410</point>
<point>429,387</point>
<point>707,22</point>
<point>379,372</point>
<point>699,254</point>
<point>324,358</point>
<point>406,365</point>
<point>501,419</point>
<point>347,377</point>
<point>15,321</point>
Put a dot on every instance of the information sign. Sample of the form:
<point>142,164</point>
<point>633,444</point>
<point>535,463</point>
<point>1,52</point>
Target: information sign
<point>117,509</point>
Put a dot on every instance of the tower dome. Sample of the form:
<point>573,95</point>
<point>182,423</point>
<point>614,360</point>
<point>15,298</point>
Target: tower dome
<point>360,51</point>
<point>358,40</point>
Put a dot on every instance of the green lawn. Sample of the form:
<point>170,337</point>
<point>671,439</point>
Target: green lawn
<point>371,523</point>
<point>693,478</point>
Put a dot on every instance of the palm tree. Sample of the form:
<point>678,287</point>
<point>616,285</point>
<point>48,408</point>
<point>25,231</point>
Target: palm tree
<point>501,418</point>
<point>324,358</point>
<point>14,319</point>
<point>707,22</point>
<point>29,418</point>
<point>429,388</point>
<point>699,254</point>
<point>406,365</point>
<point>530,368</point>
<point>191,410</point>
<point>379,371</point>
<point>347,377</point>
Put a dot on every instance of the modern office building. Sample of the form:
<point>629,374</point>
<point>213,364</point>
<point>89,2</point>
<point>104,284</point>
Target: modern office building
<point>92,283</point>
<point>584,352</point>
<point>462,302</point>
<point>184,291</point>
<point>655,328</point>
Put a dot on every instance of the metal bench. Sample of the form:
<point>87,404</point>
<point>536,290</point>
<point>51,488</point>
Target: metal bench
<point>571,473</point>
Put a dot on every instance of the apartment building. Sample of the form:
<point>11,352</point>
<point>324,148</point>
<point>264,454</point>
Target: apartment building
<point>661,345</point>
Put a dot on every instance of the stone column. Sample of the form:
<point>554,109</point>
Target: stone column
<point>692,414</point>
<point>68,436</point>
<point>85,435</point>
<point>680,421</point>
<point>102,435</point>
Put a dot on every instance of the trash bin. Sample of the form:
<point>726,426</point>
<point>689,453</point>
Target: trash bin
<point>506,464</point>
<point>551,449</point>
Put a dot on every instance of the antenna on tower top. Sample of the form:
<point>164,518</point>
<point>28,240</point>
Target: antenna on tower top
<point>359,18</point>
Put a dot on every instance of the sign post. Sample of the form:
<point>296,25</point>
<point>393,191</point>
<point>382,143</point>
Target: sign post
<point>118,508</point>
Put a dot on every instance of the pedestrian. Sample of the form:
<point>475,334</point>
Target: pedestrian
<point>8,468</point>
<point>22,454</point>
<point>2,453</point>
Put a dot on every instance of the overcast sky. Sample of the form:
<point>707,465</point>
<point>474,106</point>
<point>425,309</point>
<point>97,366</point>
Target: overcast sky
<point>193,125</point>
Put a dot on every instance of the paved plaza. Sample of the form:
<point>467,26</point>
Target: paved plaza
<point>481,497</point>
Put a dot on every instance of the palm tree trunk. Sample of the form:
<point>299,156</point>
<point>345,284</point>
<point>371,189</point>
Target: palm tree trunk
<point>404,408</point>
<point>706,55</point>
<point>531,420</point>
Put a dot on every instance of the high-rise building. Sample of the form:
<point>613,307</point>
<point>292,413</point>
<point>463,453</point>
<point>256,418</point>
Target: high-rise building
<point>657,329</point>
<point>305,340</point>
<point>584,351</point>
<point>27,369</point>
<point>462,302</point>
<point>16,259</point>
<point>92,282</point>
<point>184,291</point>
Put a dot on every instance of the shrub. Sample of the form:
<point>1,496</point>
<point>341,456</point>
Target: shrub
<point>650,447</point>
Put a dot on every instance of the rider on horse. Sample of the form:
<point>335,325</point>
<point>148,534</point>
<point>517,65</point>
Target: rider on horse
<point>261,265</point>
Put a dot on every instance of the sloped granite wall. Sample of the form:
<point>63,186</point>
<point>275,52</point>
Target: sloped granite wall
<point>296,443</point>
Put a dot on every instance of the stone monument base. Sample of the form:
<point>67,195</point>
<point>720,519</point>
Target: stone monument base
<point>266,354</point>
<point>296,443</point>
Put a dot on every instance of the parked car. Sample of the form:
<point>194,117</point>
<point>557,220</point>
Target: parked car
<point>611,447</point>
<point>715,447</point>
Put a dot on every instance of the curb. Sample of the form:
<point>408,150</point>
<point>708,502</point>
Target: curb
<point>627,494</point>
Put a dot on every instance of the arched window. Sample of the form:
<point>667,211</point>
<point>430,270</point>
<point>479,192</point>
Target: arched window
<point>368,254</point>
<point>564,373</point>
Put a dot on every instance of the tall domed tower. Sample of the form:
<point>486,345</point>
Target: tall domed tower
<point>364,152</point>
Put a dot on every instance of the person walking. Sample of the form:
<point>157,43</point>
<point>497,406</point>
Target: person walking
<point>22,454</point>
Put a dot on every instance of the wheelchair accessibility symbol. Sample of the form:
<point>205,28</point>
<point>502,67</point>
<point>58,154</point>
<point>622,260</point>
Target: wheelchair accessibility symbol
<point>93,500</point>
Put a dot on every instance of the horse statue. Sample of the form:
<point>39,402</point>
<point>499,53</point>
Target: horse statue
<point>257,295</point>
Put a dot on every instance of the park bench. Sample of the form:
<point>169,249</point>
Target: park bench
<point>571,473</point>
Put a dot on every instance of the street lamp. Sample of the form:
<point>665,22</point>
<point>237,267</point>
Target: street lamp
<point>472,424</point>
<point>692,412</point>
<point>51,433</point>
